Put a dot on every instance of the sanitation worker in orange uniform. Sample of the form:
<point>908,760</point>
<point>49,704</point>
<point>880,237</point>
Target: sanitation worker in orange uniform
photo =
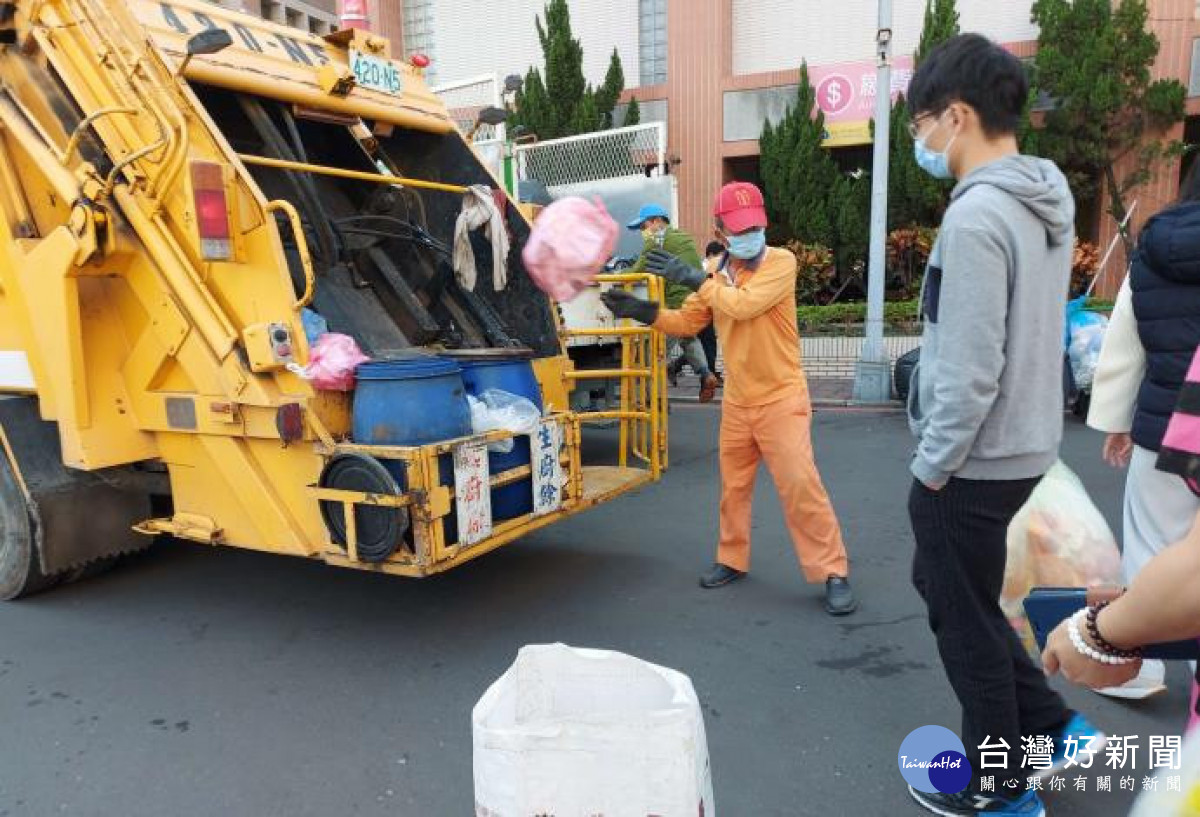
<point>749,293</point>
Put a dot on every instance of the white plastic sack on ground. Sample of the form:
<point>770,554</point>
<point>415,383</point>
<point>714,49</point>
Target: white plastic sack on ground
<point>577,733</point>
<point>1059,539</point>
<point>499,410</point>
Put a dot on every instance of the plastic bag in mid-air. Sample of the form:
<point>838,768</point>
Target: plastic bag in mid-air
<point>331,362</point>
<point>580,732</point>
<point>1059,539</point>
<point>570,242</point>
<point>498,410</point>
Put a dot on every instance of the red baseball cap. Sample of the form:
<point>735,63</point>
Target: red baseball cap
<point>740,207</point>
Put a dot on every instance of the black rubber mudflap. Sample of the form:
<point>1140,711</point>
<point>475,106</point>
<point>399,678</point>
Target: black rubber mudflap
<point>79,517</point>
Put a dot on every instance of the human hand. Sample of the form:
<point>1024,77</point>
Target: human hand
<point>1118,450</point>
<point>627,305</point>
<point>1061,657</point>
<point>674,269</point>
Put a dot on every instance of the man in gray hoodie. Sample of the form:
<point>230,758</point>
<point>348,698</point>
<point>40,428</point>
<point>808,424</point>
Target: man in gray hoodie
<point>986,407</point>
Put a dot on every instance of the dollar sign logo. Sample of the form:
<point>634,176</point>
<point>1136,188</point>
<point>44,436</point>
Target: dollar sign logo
<point>834,95</point>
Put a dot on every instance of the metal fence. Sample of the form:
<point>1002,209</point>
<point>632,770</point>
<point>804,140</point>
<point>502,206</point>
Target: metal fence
<point>638,150</point>
<point>834,357</point>
<point>467,97</point>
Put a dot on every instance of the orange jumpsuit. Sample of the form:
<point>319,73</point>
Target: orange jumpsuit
<point>766,412</point>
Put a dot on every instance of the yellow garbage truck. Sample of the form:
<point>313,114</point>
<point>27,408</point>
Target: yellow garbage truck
<point>181,187</point>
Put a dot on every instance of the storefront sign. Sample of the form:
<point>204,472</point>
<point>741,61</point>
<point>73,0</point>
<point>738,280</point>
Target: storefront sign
<point>846,95</point>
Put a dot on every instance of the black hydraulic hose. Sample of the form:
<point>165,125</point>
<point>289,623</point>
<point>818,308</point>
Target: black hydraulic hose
<point>289,121</point>
<point>274,144</point>
<point>410,232</point>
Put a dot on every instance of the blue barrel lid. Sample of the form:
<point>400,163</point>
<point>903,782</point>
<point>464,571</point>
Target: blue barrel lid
<point>501,356</point>
<point>407,368</point>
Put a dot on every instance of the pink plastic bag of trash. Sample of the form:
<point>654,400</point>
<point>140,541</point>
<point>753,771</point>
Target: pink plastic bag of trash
<point>570,242</point>
<point>332,361</point>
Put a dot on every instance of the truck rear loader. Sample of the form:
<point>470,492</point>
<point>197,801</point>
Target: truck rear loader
<point>178,183</point>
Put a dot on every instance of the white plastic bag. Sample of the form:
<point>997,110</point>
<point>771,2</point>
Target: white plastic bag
<point>577,732</point>
<point>1059,539</point>
<point>1086,342</point>
<point>497,410</point>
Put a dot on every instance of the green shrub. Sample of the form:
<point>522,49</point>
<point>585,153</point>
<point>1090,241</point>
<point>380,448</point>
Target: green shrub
<point>900,315</point>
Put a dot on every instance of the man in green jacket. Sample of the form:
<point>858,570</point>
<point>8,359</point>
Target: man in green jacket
<point>657,234</point>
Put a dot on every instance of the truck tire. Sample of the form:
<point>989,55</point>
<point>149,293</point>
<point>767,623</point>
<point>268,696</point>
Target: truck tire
<point>20,571</point>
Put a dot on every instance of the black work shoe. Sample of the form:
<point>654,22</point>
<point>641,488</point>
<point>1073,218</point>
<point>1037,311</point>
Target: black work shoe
<point>839,598</point>
<point>964,804</point>
<point>674,369</point>
<point>720,576</point>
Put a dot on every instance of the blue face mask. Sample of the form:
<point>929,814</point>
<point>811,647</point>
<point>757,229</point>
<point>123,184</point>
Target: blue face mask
<point>747,245</point>
<point>931,161</point>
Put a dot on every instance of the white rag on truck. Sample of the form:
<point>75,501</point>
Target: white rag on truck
<point>480,210</point>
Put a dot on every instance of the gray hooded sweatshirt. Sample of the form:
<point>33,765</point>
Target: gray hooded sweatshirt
<point>987,401</point>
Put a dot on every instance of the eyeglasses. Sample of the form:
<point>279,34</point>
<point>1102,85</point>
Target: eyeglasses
<point>914,124</point>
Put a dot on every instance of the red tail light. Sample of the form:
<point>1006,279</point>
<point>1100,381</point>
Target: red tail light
<point>212,211</point>
<point>419,61</point>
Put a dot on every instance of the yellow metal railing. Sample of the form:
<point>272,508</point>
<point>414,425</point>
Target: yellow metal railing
<point>641,377</point>
<point>430,502</point>
<point>310,278</point>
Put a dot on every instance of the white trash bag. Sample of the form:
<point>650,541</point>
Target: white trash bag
<point>1059,539</point>
<point>498,410</point>
<point>579,732</point>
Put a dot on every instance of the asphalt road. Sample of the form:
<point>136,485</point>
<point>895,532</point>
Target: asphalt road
<point>221,682</point>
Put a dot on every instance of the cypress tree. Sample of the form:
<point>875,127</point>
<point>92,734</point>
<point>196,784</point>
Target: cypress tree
<point>633,114</point>
<point>850,208</point>
<point>914,197</point>
<point>1094,60</point>
<point>941,23</point>
<point>608,93</point>
<point>798,174</point>
<point>557,100</point>
<point>586,116</point>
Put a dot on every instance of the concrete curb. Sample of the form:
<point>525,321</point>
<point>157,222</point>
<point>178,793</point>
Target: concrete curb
<point>893,406</point>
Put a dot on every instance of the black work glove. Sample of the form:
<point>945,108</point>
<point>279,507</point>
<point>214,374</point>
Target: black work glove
<point>627,305</point>
<point>670,267</point>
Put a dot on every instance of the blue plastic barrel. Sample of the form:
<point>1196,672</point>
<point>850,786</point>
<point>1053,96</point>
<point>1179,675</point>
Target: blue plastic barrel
<point>410,401</point>
<point>510,371</point>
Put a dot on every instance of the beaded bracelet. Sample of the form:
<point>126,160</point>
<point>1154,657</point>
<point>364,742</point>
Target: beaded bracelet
<point>1093,628</point>
<point>1085,649</point>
